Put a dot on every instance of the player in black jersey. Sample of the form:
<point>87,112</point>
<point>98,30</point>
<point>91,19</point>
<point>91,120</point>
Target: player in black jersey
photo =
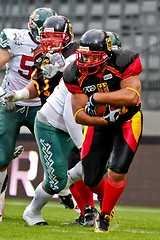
<point>101,75</point>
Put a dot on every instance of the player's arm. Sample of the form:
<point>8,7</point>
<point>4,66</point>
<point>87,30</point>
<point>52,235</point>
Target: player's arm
<point>128,95</point>
<point>25,93</point>
<point>80,116</point>
<point>4,57</point>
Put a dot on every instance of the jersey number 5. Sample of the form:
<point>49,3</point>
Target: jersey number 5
<point>25,66</point>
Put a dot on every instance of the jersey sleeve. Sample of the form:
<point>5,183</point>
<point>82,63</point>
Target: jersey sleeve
<point>4,44</point>
<point>129,63</point>
<point>135,68</point>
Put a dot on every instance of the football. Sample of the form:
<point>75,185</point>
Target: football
<point>100,109</point>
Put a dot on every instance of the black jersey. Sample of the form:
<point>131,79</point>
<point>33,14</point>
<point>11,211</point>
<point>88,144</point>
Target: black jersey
<point>122,64</point>
<point>45,86</point>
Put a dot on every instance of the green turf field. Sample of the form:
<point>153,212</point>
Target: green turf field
<point>129,223</point>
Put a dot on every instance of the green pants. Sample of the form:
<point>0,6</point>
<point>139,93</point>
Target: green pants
<point>54,147</point>
<point>10,124</point>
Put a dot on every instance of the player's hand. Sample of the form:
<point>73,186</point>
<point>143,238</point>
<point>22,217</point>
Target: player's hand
<point>49,71</point>
<point>8,105</point>
<point>91,106</point>
<point>10,97</point>
<point>57,60</point>
<point>112,116</point>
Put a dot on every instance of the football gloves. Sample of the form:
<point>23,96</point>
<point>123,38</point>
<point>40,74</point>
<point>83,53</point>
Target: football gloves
<point>91,106</point>
<point>9,106</point>
<point>57,63</point>
<point>57,60</point>
<point>49,71</point>
<point>112,116</point>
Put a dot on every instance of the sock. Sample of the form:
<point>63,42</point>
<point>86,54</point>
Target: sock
<point>112,192</point>
<point>40,199</point>
<point>78,198</point>
<point>2,179</point>
<point>85,193</point>
<point>76,172</point>
<point>64,192</point>
<point>99,189</point>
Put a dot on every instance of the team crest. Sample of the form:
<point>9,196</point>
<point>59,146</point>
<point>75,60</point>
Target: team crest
<point>109,43</point>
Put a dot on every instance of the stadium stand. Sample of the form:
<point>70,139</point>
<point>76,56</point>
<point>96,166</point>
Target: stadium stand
<point>135,21</point>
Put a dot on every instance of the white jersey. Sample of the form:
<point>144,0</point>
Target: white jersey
<point>18,70</point>
<point>58,112</point>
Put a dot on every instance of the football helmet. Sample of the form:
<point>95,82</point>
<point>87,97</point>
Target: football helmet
<point>116,43</point>
<point>36,20</point>
<point>56,34</point>
<point>94,51</point>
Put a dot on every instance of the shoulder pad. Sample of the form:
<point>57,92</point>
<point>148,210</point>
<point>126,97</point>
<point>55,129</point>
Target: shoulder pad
<point>70,72</point>
<point>70,49</point>
<point>124,57</point>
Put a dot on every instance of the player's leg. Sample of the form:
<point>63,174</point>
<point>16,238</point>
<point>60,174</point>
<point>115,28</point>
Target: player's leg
<point>8,134</point>
<point>124,149</point>
<point>50,142</point>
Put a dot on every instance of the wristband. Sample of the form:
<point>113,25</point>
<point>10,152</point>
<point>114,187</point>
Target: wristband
<point>22,94</point>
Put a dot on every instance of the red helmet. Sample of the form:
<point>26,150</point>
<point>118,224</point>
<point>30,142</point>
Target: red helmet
<point>56,34</point>
<point>94,51</point>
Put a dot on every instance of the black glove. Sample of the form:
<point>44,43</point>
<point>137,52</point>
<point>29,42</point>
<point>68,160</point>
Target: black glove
<point>91,106</point>
<point>112,116</point>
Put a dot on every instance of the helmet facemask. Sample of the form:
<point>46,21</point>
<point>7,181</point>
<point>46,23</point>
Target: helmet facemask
<point>56,34</point>
<point>90,62</point>
<point>35,30</point>
<point>52,41</point>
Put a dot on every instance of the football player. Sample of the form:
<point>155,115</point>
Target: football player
<point>16,53</point>
<point>102,75</point>
<point>55,52</point>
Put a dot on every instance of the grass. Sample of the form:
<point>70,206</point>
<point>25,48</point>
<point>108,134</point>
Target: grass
<point>129,223</point>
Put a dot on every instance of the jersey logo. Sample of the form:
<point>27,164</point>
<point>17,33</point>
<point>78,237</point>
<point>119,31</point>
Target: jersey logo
<point>17,39</point>
<point>107,77</point>
<point>91,88</point>
<point>102,87</point>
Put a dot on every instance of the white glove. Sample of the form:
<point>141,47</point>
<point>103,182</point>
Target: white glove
<point>16,95</point>
<point>49,71</point>
<point>113,116</point>
<point>9,106</point>
<point>57,60</point>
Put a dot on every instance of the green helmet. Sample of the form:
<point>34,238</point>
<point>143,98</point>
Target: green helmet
<point>36,20</point>
<point>116,43</point>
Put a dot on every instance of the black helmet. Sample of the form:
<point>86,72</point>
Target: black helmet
<point>94,51</point>
<point>56,33</point>
<point>36,20</point>
<point>116,43</point>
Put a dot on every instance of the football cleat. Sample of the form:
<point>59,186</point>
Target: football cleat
<point>112,212</point>
<point>79,221</point>
<point>101,224</point>
<point>17,151</point>
<point>67,201</point>
<point>90,215</point>
<point>33,218</point>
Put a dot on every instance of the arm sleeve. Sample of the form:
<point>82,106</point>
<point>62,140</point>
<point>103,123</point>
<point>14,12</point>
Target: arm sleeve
<point>74,129</point>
